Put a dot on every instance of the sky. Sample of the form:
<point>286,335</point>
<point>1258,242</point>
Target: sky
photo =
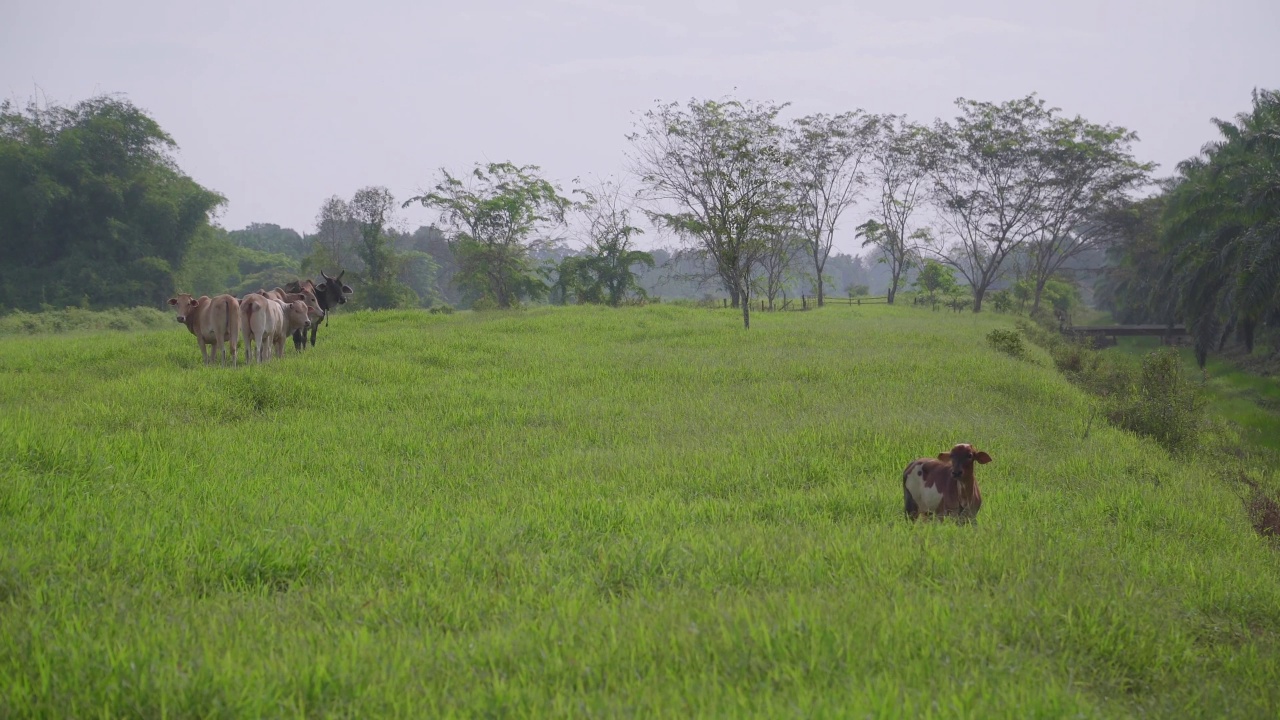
<point>279,105</point>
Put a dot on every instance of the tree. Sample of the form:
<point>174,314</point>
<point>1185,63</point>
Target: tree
<point>935,279</point>
<point>1222,227</point>
<point>373,209</point>
<point>337,235</point>
<point>782,246</point>
<point>611,255</point>
<point>495,216</point>
<point>899,166</point>
<point>271,238</point>
<point>828,156</point>
<point>1135,284</point>
<point>1088,168</point>
<point>93,206</point>
<point>987,183</point>
<point>716,173</point>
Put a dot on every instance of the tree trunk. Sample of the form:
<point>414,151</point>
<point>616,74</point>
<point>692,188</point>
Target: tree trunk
<point>819,288</point>
<point>1040,283</point>
<point>734,295</point>
<point>978,293</point>
<point>746,308</point>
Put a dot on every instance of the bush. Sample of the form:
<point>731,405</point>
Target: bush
<point>442,309</point>
<point>1007,342</point>
<point>1159,400</point>
<point>1001,301</point>
<point>1166,404</point>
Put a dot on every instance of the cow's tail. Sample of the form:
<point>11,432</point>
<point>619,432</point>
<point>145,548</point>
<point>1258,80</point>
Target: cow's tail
<point>247,329</point>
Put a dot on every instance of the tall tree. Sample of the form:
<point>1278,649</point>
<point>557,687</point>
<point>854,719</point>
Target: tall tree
<point>987,183</point>
<point>899,168</point>
<point>1089,168</point>
<point>1223,228</point>
<point>496,215</point>
<point>337,235</point>
<point>829,152</point>
<point>92,205</point>
<point>717,174</point>
<point>611,252</point>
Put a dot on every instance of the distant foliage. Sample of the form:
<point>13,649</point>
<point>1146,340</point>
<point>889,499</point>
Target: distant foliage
<point>92,205</point>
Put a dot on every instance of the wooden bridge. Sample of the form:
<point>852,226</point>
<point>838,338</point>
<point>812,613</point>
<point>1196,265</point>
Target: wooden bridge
<point>1108,334</point>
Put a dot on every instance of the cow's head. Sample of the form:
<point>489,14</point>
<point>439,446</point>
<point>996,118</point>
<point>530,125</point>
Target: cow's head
<point>297,314</point>
<point>183,305</point>
<point>962,457</point>
<point>332,292</point>
<point>314,311</point>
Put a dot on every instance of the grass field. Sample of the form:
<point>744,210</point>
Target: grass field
<point>591,512</point>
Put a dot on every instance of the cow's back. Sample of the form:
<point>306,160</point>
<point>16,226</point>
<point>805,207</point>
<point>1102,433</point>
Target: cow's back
<point>222,318</point>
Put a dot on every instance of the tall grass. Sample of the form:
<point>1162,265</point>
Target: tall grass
<point>583,512</point>
<point>73,319</point>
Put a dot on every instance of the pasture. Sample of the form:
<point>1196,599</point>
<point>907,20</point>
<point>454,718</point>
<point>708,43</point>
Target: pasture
<point>593,512</point>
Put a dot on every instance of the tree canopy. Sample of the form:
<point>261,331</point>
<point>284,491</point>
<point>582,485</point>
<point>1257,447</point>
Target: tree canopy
<point>93,207</point>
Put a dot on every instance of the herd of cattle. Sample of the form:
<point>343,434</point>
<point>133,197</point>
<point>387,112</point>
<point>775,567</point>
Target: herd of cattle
<point>264,318</point>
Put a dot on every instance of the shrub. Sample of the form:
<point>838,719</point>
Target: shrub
<point>442,309</point>
<point>1007,342</point>
<point>1166,404</point>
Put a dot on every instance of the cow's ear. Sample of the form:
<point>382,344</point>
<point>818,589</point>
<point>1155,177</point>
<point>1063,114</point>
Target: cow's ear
<point>173,301</point>
<point>944,457</point>
<point>321,286</point>
<point>347,290</point>
<point>982,457</point>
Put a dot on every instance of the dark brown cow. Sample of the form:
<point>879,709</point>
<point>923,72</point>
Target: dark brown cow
<point>213,321</point>
<point>329,294</point>
<point>944,486</point>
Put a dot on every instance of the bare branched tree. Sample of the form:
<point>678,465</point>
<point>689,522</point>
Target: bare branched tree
<point>987,185</point>
<point>899,167</point>
<point>829,153</point>
<point>716,173</point>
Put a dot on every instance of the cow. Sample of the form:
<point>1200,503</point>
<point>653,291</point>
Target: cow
<point>297,318</point>
<point>262,320</point>
<point>944,486</point>
<point>314,312</point>
<point>329,294</point>
<point>213,321</point>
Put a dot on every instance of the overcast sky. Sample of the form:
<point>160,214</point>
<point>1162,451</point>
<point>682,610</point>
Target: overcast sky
<point>278,105</point>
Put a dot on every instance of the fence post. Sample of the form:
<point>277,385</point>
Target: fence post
<point>804,303</point>
<point>725,301</point>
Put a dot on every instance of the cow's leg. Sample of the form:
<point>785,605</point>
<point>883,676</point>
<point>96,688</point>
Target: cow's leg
<point>314,328</point>
<point>299,339</point>
<point>204,351</point>
<point>912,510</point>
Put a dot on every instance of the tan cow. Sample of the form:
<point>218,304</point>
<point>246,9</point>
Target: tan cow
<point>213,321</point>
<point>297,318</point>
<point>261,320</point>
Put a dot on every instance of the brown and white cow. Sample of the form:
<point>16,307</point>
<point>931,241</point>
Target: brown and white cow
<point>213,321</point>
<point>261,320</point>
<point>944,486</point>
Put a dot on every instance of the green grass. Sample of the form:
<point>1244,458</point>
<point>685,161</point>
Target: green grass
<point>594,512</point>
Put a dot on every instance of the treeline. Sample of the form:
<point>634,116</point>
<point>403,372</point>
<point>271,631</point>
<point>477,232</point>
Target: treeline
<point>96,213</point>
<point>1205,250</point>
